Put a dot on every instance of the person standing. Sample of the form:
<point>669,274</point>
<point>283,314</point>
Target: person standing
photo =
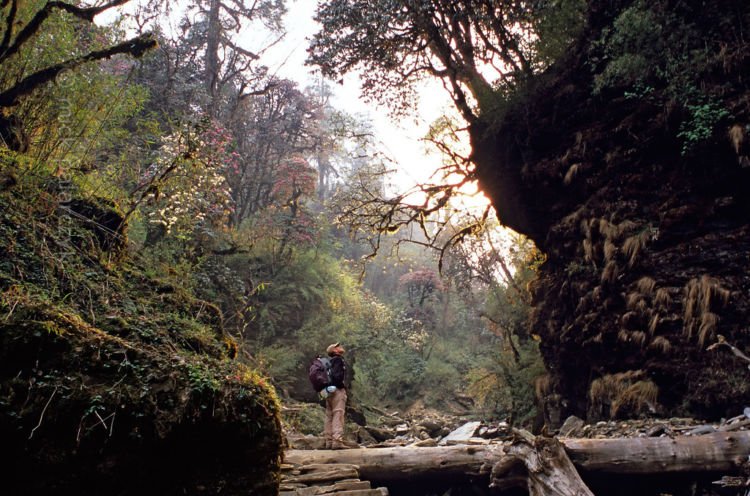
<point>336,399</point>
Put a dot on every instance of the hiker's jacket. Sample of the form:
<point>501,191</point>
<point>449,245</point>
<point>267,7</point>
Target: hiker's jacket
<point>338,372</point>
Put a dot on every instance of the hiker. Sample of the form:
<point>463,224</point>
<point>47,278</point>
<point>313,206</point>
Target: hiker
<point>336,399</point>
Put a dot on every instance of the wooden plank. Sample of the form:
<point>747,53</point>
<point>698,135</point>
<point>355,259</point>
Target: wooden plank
<point>335,488</point>
<point>321,475</point>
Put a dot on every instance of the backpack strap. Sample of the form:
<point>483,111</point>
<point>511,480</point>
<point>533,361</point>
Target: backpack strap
<point>327,364</point>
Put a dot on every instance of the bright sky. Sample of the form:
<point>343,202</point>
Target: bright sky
<point>400,139</point>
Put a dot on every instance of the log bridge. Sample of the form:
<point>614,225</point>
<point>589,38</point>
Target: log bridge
<point>544,466</point>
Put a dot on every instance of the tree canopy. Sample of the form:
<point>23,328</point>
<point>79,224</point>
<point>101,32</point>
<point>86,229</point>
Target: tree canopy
<point>475,46</point>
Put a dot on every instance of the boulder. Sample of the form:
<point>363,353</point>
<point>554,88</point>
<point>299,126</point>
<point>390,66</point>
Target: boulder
<point>462,434</point>
<point>572,427</point>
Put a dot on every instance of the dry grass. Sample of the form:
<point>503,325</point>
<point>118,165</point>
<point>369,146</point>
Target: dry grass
<point>638,337</point>
<point>642,308</point>
<point>635,337</point>
<point>660,344</point>
<point>571,174</point>
<point>570,220</point>
<point>625,227</point>
<point>634,245</point>
<point>737,137</point>
<point>610,250</point>
<point>707,330</point>
<point>606,228</point>
<point>705,285</point>
<point>692,296</point>
<point>599,391</point>
<point>586,228</point>
<point>703,297</point>
<point>583,304</point>
<point>588,250</point>
<point>712,295</point>
<point>662,300</point>
<point>646,285</point>
<point>632,300</point>
<point>629,393</point>
<point>596,294</point>
<point>636,398</point>
<point>629,320</point>
<point>653,325</point>
<point>610,273</point>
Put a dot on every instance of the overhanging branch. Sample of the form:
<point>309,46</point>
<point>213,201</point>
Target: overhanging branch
<point>136,47</point>
<point>86,14</point>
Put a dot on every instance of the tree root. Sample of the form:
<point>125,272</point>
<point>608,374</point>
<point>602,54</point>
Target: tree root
<point>541,464</point>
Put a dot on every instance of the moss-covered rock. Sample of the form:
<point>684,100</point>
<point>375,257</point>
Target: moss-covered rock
<point>113,381</point>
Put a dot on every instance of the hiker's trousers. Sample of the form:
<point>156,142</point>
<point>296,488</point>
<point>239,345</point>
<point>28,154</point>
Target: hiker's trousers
<point>334,427</point>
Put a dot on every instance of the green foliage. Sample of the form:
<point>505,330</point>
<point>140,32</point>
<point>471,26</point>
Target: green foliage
<point>281,362</point>
<point>388,367</point>
<point>73,122</point>
<point>443,375</point>
<point>504,385</point>
<point>630,47</point>
<point>399,378</point>
<point>311,293</point>
<point>201,378</point>
<point>701,124</point>
<point>660,56</point>
<point>402,360</point>
<point>557,24</point>
<point>305,418</point>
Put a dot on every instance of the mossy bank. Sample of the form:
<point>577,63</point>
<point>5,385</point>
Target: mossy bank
<point>115,379</point>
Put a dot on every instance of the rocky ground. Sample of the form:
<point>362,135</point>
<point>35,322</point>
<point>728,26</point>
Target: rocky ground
<point>428,428</point>
<point>424,427</point>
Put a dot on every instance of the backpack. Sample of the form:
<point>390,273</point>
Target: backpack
<point>320,373</point>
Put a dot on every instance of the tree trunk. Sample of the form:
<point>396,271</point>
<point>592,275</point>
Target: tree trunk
<point>719,452</point>
<point>213,35</point>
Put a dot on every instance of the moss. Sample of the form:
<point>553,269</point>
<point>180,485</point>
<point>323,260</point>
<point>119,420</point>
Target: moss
<point>109,376</point>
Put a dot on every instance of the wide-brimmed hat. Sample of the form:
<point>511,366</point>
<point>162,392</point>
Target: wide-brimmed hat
<point>331,347</point>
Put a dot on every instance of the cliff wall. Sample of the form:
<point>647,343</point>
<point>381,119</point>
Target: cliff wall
<point>627,163</point>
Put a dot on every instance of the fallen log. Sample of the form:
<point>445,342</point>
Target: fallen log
<point>402,463</point>
<point>719,452</point>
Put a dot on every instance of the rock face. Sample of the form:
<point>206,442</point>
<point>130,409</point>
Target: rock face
<point>635,188</point>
